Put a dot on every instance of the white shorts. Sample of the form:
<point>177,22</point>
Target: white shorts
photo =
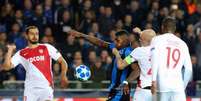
<point>38,94</point>
<point>171,96</point>
<point>142,95</point>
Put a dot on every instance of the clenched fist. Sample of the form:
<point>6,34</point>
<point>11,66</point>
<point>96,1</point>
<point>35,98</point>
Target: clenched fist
<point>137,30</point>
<point>11,47</point>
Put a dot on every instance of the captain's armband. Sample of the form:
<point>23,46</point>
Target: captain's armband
<point>128,59</point>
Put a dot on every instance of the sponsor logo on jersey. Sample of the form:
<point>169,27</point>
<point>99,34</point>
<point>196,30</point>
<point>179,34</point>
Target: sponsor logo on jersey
<point>36,58</point>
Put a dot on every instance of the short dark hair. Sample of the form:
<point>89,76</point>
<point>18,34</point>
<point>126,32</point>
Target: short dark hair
<point>30,27</point>
<point>122,32</point>
<point>169,24</point>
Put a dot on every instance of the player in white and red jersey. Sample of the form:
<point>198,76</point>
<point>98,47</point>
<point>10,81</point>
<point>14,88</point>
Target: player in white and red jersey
<point>36,59</point>
<point>143,56</point>
<point>170,56</point>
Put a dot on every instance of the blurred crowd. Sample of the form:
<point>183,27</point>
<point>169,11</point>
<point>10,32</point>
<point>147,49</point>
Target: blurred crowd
<point>100,18</point>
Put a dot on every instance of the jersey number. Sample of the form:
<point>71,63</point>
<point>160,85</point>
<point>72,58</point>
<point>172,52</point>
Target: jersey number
<point>149,71</point>
<point>173,56</point>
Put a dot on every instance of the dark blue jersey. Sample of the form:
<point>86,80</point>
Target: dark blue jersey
<point>118,76</point>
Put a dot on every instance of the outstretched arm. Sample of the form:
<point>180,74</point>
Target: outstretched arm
<point>91,39</point>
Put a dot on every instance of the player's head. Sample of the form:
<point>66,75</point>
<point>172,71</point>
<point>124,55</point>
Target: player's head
<point>121,39</point>
<point>146,37</point>
<point>32,34</point>
<point>168,25</point>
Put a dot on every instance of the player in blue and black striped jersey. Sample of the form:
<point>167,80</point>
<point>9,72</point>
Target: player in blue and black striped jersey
<point>117,76</point>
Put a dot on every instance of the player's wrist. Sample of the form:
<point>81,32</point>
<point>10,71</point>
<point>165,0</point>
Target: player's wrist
<point>111,46</point>
<point>63,76</point>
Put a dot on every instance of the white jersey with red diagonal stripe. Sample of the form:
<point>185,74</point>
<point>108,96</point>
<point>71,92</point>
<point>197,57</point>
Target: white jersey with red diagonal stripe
<point>37,63</point>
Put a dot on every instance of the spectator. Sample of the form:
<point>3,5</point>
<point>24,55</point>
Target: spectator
<point>69,47</point>
<point>118,25</point>
<point>95,29</point>
<point>15,32</point>
<point>181,22</point>
<point>136,12</point>
<point>91,58</point>
<point>48,35</point>
<point>64,6</point>
<point>191,6</point>
<point>38,19</point>
<point>190,38</point>
<point>106,22</point>
<point>128,23</point>
<point>44,39</point>
<point>112,36</point>
<point>108,67</point>
<point>103,56</point>
<point>119,8</point>
<point>63,26</point>
<point>150,19</point>
<point>101,12</point>
<point>19,18</point>
<point>3,39</point>
<point>87,21</point>
<point>196,68</point>
<point>28,12</point>
<point>191,88</point>
<point>155,9</point>
<point>196,15</point>
<point>164,12</point>
<point>20,41</point>
<point>48,11</point>
<point>86,5</point>
<point>97,74</point>
<point>77,61</point>
<point>56,73</point>
<point>7,13</point>
<point>2,27</point>
<point>198,50</point>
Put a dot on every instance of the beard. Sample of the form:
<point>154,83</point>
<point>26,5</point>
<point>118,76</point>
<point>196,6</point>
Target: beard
<point>33,42</point>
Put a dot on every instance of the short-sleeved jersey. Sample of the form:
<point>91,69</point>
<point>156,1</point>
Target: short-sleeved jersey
<point>143,56</point>
<point>37,63</point>
<point>169,55</point>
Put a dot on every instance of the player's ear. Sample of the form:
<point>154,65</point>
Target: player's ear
<point>25,35</point>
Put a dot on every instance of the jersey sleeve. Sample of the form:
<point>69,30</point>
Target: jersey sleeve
<point>187,68</point>
<point>53,52</point>
<point>154,60</point>
<point>134,56</point>
<point>15,60</point>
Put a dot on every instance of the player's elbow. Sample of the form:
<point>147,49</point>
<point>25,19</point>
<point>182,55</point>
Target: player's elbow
<point>62,62</point>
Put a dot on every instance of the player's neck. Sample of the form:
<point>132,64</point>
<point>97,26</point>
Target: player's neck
<point>32,45</point>
<point>167,31</point>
